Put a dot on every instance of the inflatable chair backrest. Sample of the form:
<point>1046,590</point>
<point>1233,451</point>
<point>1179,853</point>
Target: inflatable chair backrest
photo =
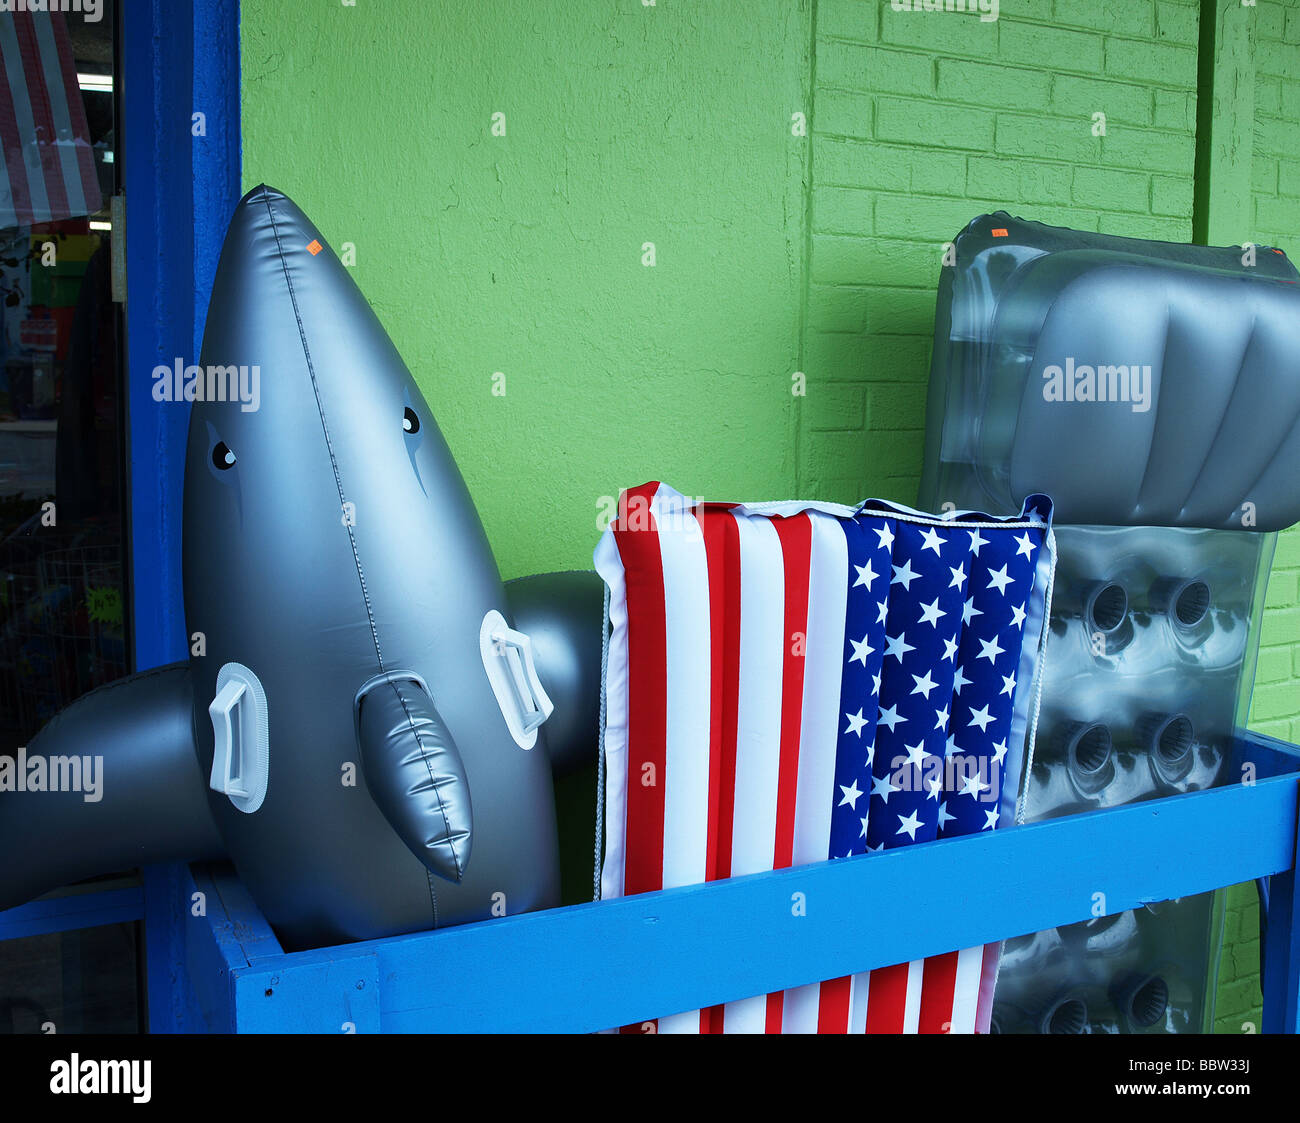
<point>1153,391</point>
<point>1136,383</point>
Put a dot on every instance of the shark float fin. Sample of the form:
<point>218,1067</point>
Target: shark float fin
<point>111,783</point>
<point>414,771</point>
<point>563,613</point>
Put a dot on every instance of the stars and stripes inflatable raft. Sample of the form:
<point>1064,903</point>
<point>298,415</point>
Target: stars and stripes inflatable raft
<point>792,682</point>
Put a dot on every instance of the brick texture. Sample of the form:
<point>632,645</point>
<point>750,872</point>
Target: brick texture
<point>921,121</point>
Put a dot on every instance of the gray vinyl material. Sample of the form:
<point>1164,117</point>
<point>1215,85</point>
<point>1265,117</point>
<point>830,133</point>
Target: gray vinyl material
<point>1164,521</point>
<point>415,775</point>
<point>563,614</point>
<point>342,544</point>
<point>151,808</point>
<point>1220,339</point>
<point>332,552</point>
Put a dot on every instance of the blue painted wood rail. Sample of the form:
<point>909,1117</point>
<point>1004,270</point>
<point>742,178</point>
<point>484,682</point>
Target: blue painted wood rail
<point>619,962</point>
<point>68,911</point>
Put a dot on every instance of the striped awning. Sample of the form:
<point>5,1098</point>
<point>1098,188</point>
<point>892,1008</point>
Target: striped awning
<point>48,170</point>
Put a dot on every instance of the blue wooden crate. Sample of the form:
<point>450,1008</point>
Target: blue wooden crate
<point>624,961</point>
<point>628,960</point>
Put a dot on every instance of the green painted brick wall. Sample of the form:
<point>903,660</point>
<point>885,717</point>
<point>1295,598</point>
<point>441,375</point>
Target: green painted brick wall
<point>920,121</point>
<point>671,123</point>
<point>1274,214</point>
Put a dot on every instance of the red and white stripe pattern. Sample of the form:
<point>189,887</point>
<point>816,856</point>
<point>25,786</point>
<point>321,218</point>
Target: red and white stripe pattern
<point>723,689</point>
<point>699,665</point>
<point>48,170</point>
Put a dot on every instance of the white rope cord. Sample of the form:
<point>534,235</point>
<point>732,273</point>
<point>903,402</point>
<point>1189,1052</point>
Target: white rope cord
<point>600,751</point>
<point>884,510</point>
<point>1039,675</point>
<point>975,524</point>
<point>953,520</point>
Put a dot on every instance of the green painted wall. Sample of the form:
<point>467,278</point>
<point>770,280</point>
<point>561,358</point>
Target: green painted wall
<point>923,121</point>
<point>671,123</point>
<point>522,254</point>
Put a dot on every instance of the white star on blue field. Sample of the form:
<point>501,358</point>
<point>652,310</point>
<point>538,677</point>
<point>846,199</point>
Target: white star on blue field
<point>933,634</point>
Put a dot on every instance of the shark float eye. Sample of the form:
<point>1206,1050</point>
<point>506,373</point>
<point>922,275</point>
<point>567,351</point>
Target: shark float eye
<point>222,458</point>
<point>411,427</point>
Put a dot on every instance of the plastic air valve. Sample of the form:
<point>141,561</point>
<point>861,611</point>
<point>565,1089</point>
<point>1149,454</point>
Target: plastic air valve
<point>1142,1000</point>
<point>1085,749</point>
<point>1170,741</point>
<point>1102,604</point>
<point>241,759</point>
<point>1068,1015</point>
<point>1186,601</point>
<point>508,660</point>
<point>1105,605</point>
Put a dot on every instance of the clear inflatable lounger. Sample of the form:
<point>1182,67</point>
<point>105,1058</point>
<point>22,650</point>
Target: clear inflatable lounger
<point>1153,391</point>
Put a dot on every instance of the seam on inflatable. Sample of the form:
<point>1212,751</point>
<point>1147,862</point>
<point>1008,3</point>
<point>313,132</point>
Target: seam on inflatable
<point>137,676</point>
<point>1290,430</point>
<point>338,484</point>
<point>1012,522</point>
<point>433,780</point>
<point>1232,394</point>
<point>1140,502</point>
<point>329,444</point>
<point>433,895</point>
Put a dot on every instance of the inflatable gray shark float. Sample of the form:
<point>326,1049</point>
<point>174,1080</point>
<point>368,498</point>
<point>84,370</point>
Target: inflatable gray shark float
<point>359,726</point>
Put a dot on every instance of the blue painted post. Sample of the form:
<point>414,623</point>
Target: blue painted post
<point>179,61</point>
<point>164,949</point>
<point>157,97</point>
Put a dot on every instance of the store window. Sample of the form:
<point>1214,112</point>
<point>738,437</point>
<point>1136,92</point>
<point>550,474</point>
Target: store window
<point>63,610</point>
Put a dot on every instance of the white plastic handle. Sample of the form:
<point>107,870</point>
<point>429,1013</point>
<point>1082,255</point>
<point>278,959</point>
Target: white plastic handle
<point>534,704</point>
<point>240,744</point>
<point>508,661</point>
<point>226,727</point>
